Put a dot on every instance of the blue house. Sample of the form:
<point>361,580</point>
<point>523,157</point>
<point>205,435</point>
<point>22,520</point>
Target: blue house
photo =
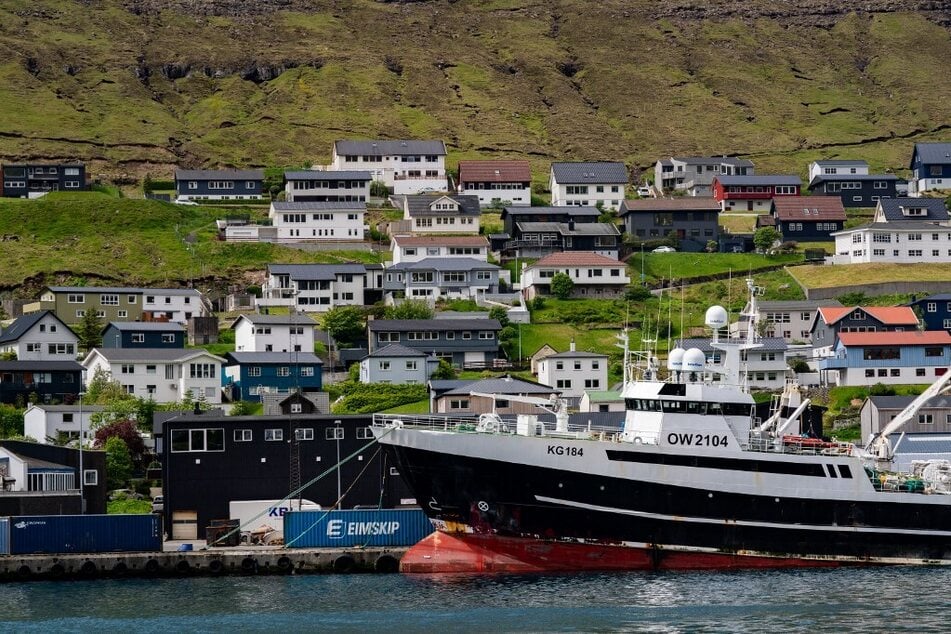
<point>935,311</point>
<point>249,374</point>
<point>891,358</point>
<point>49,380</point>
<point>219,184</point>
<point>31,180</point>
<point>144,334</point>
<point>808,218</point>
<point>472,343</point>
<point>931,167</point>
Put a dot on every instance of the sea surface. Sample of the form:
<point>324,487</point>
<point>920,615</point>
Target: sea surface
<point>779,602</point>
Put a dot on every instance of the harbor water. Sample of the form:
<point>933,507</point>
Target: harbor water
<point>900,599</point>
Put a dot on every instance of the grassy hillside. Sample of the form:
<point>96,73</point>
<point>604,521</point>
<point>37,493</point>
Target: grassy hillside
<point>138,86</point>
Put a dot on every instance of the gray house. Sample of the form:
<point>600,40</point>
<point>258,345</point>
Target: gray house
<point>694,220</point>
<point>462,342</point>
<point>397,364</point>
<point>789,319</point>
<point>877,411</point>
<point>433,278</point>
<point>512,215</point>
<point>695,174</point>
<point>219,184</point>
<point>143,334</point>
<point>538,239</point>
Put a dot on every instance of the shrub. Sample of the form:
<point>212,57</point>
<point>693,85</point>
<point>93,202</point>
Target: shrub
<point>375,397</point>
<point>562,286</point>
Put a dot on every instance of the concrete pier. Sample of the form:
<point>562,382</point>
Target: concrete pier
<point>262,560</point>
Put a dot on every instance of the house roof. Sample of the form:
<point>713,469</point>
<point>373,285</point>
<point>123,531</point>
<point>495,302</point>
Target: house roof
<point>887,338</point>
<point>711,160</point>
<point>934,153</point>
<point>327,175</point>
<point>590,172</point>
<point>395,350</point>
<point>939,297</point>
<point>684,203</point>
<point>285,358</point>
<point>403,325</point>
<point>769,344</point>
<point>146,326</point>
<point>316,271</point>
<point>575,258</point>
<point>930,445</point>
<point>418,204</point>
<point>503,385</point>
<point>901,401</point>
<point>39,366</point>
<point>766,179</point>
<point>603,396</point>
<point>25,323</point>
<point>118,355</point>
<point>280,320</point>
<point>809,208</point>
<point>934,209</point>
<point>567,210</point>
<point>443,241</point>
<point>67,408</point>
<point>444,264</point>
<point>494,172</point>
<point>389,148</point>
<point>579,229</point>
<point>841,162</point>
<point>888,315</point>
<point>576,354</point>
<point>207,175</point>
<point>124,289</point>
<point>317,206</point>
<point>835,178</point>
<point>795,304</point>
<point>910,226</point>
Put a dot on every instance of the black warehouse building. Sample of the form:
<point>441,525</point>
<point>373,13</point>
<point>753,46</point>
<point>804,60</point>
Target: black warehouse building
<point>209,460</point>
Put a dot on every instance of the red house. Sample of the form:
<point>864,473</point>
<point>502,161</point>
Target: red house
<point>753,193</point>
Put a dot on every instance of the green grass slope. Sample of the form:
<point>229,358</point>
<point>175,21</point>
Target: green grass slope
<point>136,86</point>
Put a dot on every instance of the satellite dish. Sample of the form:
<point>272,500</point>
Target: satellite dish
<point>694,360</point>
<point>675,360</point>
<point>716,317</point>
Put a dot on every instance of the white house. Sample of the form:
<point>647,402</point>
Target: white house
<point>43,422</point>
<point>694,174</point>
<point>905,230</point>
<point>588,184</point>
<point>450,214</point>
<point>837,168</point>
<point>320,287</point>
<point>593,275</point>
<point>165,375</point>
<point>274,333</point>
<point>601,401</point>
<point>416,248</point>
<point>574,372</point>
<point>506,183</point>
<point>435,278</point>
<point>174,304</point>
<point>764,367</point>
<point>40,336</point>
<point>406,167</point>
<point>397,364</point>
<point>327,186</point>
<point>332,221</point>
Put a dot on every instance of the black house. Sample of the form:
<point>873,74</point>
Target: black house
<point>694,220</point>
<point>512,215</point>
<point>21,180</point>
<point>49,380</point>
<point>857,190</point>
<point>210,460</point>
<point>143,334</point>
<point>49,479</point>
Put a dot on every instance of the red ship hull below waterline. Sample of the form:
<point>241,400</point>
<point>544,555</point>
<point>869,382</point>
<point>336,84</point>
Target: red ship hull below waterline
<point>472,553</point>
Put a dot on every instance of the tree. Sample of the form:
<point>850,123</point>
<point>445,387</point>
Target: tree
<point>125,431</point>
<point>410,309</point>
<point>118,463</point>
<point>764,238</point>
<point>378,189</point>
<point>501,314</point>
<point>344,324</point>
<point>241,408</point>
<point>561,285</point>
<point>712,246</point>
<point>444,372</point>
<point>89,330</point>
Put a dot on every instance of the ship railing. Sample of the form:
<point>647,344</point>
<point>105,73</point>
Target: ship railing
<point>461,423</point>
<point>472,424</point>
<point>800,445</point>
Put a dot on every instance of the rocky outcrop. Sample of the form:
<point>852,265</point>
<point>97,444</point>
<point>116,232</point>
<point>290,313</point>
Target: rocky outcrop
<point>253,71</point>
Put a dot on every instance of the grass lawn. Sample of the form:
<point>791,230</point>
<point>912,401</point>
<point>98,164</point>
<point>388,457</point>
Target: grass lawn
<point>738,223</point>
<point>130,507</point>
<point>873,273</point>
<point>417,407</point>
<point>682,266</point>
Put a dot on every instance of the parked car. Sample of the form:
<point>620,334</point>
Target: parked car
<point>643,191</point>
<point>664,249</point>
<point>185,202</point>
<point>158,504</point>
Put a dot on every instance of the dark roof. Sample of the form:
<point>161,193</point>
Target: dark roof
<point>285,358</point>
<point>590,172</point>
<point>123,289</point>
<point>396,350</point>
<point>579,229</point>
<point>282,320</point>
<point>934,208</point>
<point>317,206</point>
<point>769,344</point>
<point>504,385</point>
<point>23,324</point>
<point>389,148</point>
<point>684,203</point>
<point>906,224</point>
<point>795,304</point>
<point>146,326</point>
<point>418,204</point>
<point>934,152</point>
<point>443,241</point>
<point>494,172</point>
<point>933,445</point>
<point>403,325</point>
<point>569,210</point>
<point>711,160</point>
<point>939,297</point>
<point>444,264</point>
<point>327,175</point>
<point>809,208</point>
<point>835,178</point>
<point>39,366</point>
<point>207,175</point>
<point>767,179</point>
<point>316,271</point>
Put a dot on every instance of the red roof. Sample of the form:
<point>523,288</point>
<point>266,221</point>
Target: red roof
<point>889,315</point>
<point>809,208</point>
<point>494,172</point>
<point>443,241</point>
<point>908,338</point>
<point>576,258</point>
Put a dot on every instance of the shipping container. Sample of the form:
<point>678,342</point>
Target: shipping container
<point>4,535</point>
<point>346,529</point>
<point>61,534</point>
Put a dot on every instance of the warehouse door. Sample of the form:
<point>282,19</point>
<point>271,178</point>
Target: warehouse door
<point>185,525</point>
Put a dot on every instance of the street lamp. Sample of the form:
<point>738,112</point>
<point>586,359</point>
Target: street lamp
<point>642,263</point>
<point>337,430</point>
<point>82,474</point>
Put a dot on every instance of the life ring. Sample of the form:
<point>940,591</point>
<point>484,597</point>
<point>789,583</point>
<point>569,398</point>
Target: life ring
<point>284,564</point>
<point>638,440</point>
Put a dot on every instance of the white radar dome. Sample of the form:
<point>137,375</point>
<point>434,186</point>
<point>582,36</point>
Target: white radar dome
<point>675,360</point>
<point>716,317</point>
<point>694,360</point>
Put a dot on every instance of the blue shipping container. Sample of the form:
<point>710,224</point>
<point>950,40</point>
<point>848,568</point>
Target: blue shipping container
<point>346,529</point>
<point>60,534</point>
<point>4,535</point>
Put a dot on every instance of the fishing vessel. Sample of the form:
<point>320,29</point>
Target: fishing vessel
<point>693,480</point>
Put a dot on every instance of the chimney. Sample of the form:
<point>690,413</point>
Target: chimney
<point>571,346</point>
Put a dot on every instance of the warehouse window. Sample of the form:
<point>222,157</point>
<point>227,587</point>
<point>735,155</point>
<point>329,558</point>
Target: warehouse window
<point>190,440</point>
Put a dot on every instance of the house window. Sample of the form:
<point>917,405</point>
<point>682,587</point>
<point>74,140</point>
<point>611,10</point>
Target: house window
<point>58,348</point>
<point>90,477</point>
<point>934,352</point>
<point>150,369</point>
<point>109,300</point>
<point>76,299</point>
<point>307,370</point>
<point>486,334</point>
<point>925,419</point>
<point>168,337</point>
<point>364,433</point>
<point>385,366</point>
<point>170,372</point>
<point>563,383</point>
<point>273,435</point>
<point>334,433</point>
<point>306,433</point>
<point>127,368</point>
<point>389,337</point>
<point>462,403</point>
<point>138,337</point>
<point>123,314</point>
<point>410,365</point>
<point>592,383</point>
<point>190,440</point>
<point>920,372</point>
<point>202,370</point>
<point>242,435</point>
